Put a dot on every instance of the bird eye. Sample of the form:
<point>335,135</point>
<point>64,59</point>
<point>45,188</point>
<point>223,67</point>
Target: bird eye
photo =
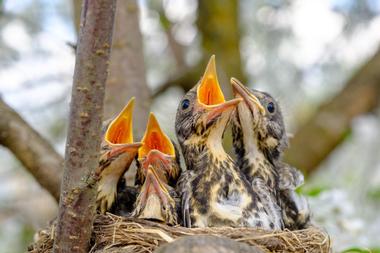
<point>185,104</point>
<point>270,107</point>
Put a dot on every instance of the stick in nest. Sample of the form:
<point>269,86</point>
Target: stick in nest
<point>134,235</point>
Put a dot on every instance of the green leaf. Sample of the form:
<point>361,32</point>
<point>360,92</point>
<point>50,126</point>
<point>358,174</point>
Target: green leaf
<point>357,250</point>
<point>374,194</point>
<point>312,191</point>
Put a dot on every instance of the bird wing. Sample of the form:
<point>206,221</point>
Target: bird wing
<point>295,208</point>
<point>184,190</point>
<point>290,178</point>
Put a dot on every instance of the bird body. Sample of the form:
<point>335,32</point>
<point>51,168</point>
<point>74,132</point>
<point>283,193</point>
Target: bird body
<point>157,172</point>
<point>117,153</point>
<point>214,191</point>
<point>259,138</point>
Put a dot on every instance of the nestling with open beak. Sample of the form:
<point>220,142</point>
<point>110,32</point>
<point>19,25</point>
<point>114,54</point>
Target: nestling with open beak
<point>157,174</point>
<point>117,153</point>
<point>259,139</point>
<point>214,192</point>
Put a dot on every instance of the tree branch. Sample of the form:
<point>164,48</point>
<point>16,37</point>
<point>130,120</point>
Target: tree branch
<point>78,194</point>
<point>327,128</point>
<point>31,149</point>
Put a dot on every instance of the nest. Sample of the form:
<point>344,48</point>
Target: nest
<point>113,232</point>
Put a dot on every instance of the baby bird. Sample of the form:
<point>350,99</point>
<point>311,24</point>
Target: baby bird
<point>117,153</point>
<point>214,192</point>
<point>259,138</point>
<point>157,174</point>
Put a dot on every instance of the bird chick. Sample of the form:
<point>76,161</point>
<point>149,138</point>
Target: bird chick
<point>259,139</point>
<point>157,173</point>
<point>213,190</point>
<point>117,153</point>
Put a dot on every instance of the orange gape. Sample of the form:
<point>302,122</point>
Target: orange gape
<point>209,92</point>
<point>155,138</point>
<point>120,129</point>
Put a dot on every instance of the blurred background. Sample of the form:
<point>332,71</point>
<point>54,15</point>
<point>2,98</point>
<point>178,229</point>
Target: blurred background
<point>320,59</point>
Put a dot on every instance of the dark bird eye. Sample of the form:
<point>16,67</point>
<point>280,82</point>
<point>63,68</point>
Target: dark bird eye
<point>185,104</point>
<point>270,107</point>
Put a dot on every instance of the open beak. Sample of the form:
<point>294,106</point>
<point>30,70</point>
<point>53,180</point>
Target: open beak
<point>156,181</point>
<point>251,100</point>
<point>117,149</point>
<point>155,139</point>
<point>210,96</point>
<point>119,134</point>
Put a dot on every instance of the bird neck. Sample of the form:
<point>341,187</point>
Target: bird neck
<point>200,152</point>
<point>250,157</point>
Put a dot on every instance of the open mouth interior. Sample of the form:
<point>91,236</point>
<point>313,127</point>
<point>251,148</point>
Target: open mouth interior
<point>155,138</point>
<point>209,91</point>
<point>120,129</point>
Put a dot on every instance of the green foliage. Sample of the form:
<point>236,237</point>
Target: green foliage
<point>26,235</point>
<point>374,194</point>
<point>361,250</point>
<point>313,191</point>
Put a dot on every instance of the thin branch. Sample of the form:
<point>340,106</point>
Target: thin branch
<point>33,151</point>
<point>78,194</point>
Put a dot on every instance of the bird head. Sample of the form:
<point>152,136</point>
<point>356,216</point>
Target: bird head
<point>260,116</point>
<point>157,165</point>
<point>117,154</point>
<point>119,134</point>
<point>203,110</point>
<point>157,151</point>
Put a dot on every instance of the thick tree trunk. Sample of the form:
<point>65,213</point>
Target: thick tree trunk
<point>127,68</point>
<point>78,194</point>
<point>31,149</point>
<point>327,128</point>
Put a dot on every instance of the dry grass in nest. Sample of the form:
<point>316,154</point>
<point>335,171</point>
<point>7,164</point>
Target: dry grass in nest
<point>138,236</point>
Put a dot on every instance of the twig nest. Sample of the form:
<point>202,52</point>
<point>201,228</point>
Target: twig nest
<point>120,234</point>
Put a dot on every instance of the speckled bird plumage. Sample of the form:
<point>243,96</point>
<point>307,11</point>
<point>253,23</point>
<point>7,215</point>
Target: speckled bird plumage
<point>214,191</point>
<point>157,174</point>
<point>117,153</point>
<point>153,203</point>
<point>111,171</point>
<point>259,139</point>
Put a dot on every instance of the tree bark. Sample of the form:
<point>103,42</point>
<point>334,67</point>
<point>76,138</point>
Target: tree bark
<point>78,194</point>
<point>127,68</point>
<point>31,149</point>
<point>327,128</point>
<point>127,77</point>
